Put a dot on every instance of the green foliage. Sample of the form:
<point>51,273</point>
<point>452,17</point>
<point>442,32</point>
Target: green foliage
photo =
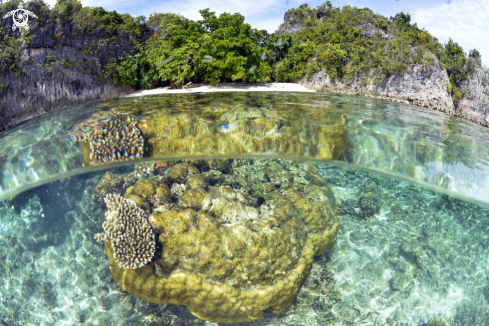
<point>474,54</point>
<point>11,44</point>
<point>218,49</point>
<point>90,20</point>
<point>132,70</point>
<point>41,9</point>
<point>127,71</point>
<point>66,9</point>
<point>337,46</point>
<point>211,50</point>
<point>458,67</point>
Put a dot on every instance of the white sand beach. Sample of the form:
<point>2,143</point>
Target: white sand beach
<point>225,87</point>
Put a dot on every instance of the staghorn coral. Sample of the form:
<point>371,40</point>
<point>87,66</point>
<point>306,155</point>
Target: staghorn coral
<point>237,242</point>
<point>128,232</point>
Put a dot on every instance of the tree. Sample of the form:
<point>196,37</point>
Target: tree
<point>211,50</point>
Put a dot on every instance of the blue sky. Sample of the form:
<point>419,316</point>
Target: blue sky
<point>465,21</point>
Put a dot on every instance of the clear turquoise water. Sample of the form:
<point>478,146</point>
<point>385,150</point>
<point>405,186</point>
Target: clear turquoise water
<point>427,147</point>
<point>423,255</point>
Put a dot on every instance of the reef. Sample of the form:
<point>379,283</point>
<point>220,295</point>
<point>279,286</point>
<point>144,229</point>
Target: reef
<point>234,237</point>
<point>242,130</point>
<point>110,137</point>
<point>369,202</point>
<point>437,322</point>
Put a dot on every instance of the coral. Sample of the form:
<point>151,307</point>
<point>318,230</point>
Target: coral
<point>48,294</point>
<point>109,183</point>
<point>146,193</point>
<point>128,231</point>
<point>105,303</point>
<point>485,291</point>
<point>369,201</point>
<point>238,130</point>
<point>240,243</point>
<point>437,322</point>
<point>115,139</point>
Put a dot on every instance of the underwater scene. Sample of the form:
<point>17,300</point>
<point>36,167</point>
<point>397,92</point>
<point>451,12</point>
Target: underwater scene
<point>244,207</point>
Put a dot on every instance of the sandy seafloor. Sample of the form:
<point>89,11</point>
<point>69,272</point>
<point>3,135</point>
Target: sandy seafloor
<point>423,256</point>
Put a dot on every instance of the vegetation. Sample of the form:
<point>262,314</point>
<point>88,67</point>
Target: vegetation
<point>172,50</point>
<point>458,67</point>
<point>338,45</point>
<point>86,21</point>
<point>211,50</point>
<point>10,47</point>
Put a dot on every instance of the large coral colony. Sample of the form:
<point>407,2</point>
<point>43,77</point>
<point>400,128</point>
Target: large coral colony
<point>226,238</point>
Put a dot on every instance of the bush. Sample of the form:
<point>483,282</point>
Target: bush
<point>212,50</point>
<point>458,67</point>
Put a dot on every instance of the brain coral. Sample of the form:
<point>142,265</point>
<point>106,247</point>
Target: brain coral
<point>234,130</point>
<point>238,241</point>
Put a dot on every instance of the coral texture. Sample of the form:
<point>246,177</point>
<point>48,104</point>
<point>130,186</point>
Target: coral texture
<point>118,139</point>
<point>128,231</point>
<point>241,130</point>
<point>238,237</point>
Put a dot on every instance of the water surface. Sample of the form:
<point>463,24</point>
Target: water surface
<point>410,185</point>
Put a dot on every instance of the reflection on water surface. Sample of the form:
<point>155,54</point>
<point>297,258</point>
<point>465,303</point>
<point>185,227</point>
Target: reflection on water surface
<point>407,142</point>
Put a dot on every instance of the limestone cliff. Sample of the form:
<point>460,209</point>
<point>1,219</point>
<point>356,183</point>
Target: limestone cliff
<point>474,105</point>
<point>423,86</point>
<point>45,87</point>
<point>66,60</point>
<point>57,68</point>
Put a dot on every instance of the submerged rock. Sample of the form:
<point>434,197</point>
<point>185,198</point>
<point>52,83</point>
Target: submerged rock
<point>369,202</point>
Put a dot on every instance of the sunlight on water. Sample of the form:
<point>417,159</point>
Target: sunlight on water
<point>427,147</point>
<point>228,208</point>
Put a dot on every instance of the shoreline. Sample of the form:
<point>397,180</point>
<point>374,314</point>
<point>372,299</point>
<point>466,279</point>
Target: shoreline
<point>297,87</point>
<point>224,87</point>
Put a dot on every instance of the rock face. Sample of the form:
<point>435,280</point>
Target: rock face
<point>60,69</point>
<point>474,105</point>
<point>422,86</point>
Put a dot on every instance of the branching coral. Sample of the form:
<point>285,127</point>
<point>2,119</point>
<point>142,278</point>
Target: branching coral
<point>117,140</point>
<point>128,231</point>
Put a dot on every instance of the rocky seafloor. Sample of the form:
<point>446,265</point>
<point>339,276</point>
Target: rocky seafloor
<point>404,256</point>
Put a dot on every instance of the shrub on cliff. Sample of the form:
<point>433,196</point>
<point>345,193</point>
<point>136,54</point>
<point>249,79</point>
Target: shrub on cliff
<point>458,67</point>
<point>11,43</point>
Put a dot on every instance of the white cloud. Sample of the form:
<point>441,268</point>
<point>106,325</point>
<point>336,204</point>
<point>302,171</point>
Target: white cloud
<point>465,21</point>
